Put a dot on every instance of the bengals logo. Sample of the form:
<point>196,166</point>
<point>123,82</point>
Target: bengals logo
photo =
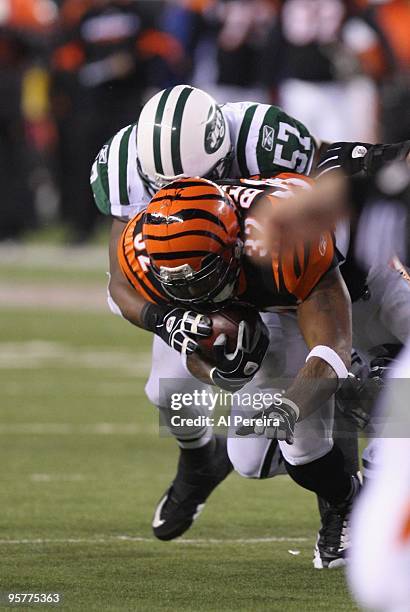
<point>215,131</point>
<point>322,245</point>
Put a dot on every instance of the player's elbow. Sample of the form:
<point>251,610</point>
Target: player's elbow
<point>112,302</point>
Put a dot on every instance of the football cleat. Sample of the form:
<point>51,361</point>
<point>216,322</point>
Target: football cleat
<point>333,537</point>
<point>185,499</point>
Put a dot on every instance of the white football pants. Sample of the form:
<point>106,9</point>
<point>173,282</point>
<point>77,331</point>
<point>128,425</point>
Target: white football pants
<point>383,318</point>
<point>249,456</point>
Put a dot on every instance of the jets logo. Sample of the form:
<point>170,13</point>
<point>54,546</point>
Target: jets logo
<point>268,138</point>
<point>215,131</point>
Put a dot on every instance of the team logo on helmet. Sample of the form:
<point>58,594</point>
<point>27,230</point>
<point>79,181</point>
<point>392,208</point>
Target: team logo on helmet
<point>215,130</point>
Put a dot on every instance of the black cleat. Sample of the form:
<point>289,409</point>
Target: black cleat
<point>185,499</point>
<point>333,538</point>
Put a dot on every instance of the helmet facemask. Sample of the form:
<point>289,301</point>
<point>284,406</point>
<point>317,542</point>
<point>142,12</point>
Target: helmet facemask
<point>209,288</point>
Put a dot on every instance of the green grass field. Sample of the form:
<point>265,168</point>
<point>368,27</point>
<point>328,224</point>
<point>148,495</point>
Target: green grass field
<point>82,466</point>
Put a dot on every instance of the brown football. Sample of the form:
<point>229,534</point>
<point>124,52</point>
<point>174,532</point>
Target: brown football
<point>226,321</point>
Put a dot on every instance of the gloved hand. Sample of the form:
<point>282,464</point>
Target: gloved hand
<point>275,422</point>
<point>354,157</point>
<point>234,370</point>
<point>359,393</point>
<point>176,326</point>
<point>345,156</point>
<point>356,399</point>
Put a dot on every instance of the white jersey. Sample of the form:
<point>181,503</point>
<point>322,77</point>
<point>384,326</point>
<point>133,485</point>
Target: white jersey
<point>266,141</point>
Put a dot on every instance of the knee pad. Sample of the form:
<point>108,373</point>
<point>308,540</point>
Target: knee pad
<point>305,450</point>
<point>255,457</point>
<point>313,436</point>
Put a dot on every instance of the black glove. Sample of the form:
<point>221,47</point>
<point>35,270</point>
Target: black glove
<point>275,422</point>
<point>234,370</point>
<point>176,326</point>
<point>355,157</point>
<point>346,156</point>
<point>359,393</point>
<point>356,399</point>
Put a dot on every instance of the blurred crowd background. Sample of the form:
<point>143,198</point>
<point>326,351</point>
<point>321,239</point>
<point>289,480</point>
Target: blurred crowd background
<point>72,72</point>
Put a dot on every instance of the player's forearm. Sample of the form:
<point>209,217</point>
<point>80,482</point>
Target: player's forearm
<point>315,383</point>
<point>325,321</point>
<point>127,300</point>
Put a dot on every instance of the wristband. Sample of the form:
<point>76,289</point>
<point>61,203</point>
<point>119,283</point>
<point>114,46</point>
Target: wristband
<point>152,315</point>
<point>332,358</point>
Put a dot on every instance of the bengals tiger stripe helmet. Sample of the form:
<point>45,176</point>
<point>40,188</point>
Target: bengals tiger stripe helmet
<point>192,234</point>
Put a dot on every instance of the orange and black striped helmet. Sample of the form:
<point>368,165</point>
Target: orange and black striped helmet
<point>192,234</point>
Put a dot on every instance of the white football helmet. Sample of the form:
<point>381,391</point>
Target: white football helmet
<point>182,132</point>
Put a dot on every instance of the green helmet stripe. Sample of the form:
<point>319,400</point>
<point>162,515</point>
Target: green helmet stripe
<point>242,139</point>
<point>122,167</point>
<point>157,130</point>
<point>176,130</point>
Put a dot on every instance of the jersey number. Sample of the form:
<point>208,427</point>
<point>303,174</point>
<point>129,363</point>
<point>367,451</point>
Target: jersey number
<point>299,160</point>
<point>139,245</point>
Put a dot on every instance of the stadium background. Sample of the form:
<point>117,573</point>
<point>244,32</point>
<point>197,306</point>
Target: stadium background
<point>82,462</point>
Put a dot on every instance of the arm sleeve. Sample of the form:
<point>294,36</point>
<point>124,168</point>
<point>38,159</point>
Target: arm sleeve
<point>319,256</point>
<point>116,185</point>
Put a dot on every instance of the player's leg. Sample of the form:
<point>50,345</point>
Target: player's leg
<point>317,464</point>
<point>258,457</point>
<point>313,461</point>
<point>389,285</point>
<point>382,320</point>
<point>203,461</point>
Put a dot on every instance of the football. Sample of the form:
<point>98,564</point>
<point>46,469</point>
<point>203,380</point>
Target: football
<point>226,321</point>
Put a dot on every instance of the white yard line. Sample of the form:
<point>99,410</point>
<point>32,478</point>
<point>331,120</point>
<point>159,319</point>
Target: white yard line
<point>137,539</point>
<point>73,429</point>
<point>54,256</point>
<point>28,295</point>
<point>37,354</point>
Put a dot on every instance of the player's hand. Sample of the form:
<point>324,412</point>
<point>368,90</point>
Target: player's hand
<point>180,328</point>
<point>348,157</point>
<point>354,157</point>
<point>356,398</point>
<point>234,370</point>
<point>275,422</point>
